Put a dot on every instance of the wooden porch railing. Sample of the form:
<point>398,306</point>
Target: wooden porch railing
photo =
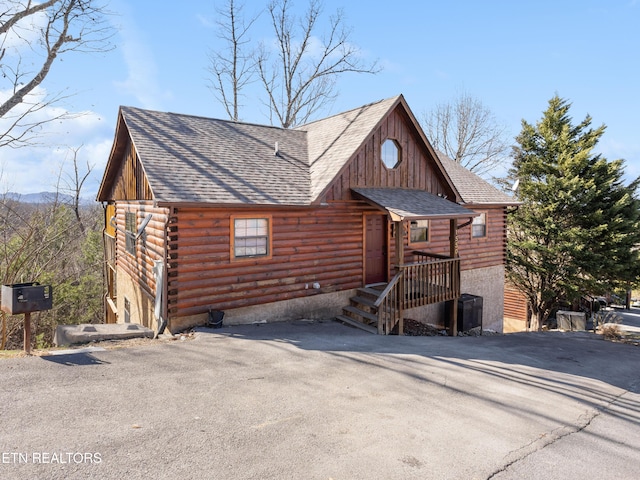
<point>417,284</point>
<point>389,305</point>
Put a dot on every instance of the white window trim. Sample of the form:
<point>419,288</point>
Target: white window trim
<point>233,236</point>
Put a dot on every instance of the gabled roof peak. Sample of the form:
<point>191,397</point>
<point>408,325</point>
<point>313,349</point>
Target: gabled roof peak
<point>386,101</point>
<point>195,159</point>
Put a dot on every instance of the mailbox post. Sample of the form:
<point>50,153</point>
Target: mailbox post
<point>26,298</point>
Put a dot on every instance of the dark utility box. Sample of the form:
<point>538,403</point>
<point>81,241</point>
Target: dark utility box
<point>26,298</point>
<point>469,312</point>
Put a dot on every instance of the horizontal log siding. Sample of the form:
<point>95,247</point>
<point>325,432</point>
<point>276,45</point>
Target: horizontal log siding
<point>474,252</point>
<point>149,247</point>
<point>487,251</point>
<point>321,245</point>
<point>417,170</point>
<point>515,304</point>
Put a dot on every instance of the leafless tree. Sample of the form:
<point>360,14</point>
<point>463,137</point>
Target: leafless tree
<point>232,67</point>
<point>466,131</point>
<point>72,184</point>
<point>46,242</point>
<point>32,36</point>
<point>302,79</point>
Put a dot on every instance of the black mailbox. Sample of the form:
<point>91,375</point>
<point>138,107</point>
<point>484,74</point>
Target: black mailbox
<point>26,298</point>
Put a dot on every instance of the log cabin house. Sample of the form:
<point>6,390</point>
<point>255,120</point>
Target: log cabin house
<point>354,216</point>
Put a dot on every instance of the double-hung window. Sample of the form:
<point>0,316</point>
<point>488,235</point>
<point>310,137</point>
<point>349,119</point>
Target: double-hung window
<point>419,232</point>
<point>479,226</point>
<point>130,228</point>
<point>251,237</point>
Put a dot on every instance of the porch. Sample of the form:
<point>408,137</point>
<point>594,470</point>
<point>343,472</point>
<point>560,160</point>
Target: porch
<point>418,279</point>
<point>428,279</point>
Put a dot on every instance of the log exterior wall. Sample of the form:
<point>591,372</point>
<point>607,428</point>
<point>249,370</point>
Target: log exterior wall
<point>138,267</point>
<point>321,245</point>
<point>488,251</point>
<point>516,312</point>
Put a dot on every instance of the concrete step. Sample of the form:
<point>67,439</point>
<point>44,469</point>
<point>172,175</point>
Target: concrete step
<point>88,332</point>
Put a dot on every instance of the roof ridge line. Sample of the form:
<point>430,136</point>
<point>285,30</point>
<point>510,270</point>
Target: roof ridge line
<point>203,117</point>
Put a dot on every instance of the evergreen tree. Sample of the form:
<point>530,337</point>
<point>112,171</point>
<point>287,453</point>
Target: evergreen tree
<point>578,225</point>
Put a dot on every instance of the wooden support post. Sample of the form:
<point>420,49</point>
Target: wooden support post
<point>400,261</point>
<point>453,238</point>
<point>3,342</point>
<point>453,253</point>
<point>453,318</point>
<point>399,243</point>
<point>27,333</point>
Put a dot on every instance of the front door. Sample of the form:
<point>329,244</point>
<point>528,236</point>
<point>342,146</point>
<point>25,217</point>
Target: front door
<point>375,249</point>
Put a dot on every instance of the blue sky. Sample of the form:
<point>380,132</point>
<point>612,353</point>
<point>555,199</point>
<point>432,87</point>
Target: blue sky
<point>511,55</point>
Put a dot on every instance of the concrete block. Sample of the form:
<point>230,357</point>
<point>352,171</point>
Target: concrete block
<point>85,333</point>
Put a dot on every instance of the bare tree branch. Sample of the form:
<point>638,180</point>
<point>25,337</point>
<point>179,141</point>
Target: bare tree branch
<point>28,9</point>
<point>41,33</point>
<point>23,126</point>
<point>233,67</point>
<point>466,131</point>
<point>302,79</point>
<point>74,183</point>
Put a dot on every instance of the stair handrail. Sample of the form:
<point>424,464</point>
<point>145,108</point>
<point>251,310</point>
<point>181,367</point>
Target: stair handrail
<point>389,287</point>
<point>393,286</point>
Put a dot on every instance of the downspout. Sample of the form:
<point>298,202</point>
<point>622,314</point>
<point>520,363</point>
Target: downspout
<point>161,310</point>
<point>159,271</point>
<point>105,266</point>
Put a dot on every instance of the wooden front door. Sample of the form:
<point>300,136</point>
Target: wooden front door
<point>375,270</point>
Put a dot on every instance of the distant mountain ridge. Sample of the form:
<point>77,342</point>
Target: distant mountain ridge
<point>46,197</point>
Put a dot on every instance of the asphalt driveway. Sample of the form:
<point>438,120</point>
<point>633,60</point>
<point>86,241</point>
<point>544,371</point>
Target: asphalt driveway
<point>318,400</point>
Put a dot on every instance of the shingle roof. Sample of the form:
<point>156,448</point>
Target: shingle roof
<point>196,159</point>
<point>404,203</point>
<point>204,160</point>
<point>333,140</point>
<point>472,188</point>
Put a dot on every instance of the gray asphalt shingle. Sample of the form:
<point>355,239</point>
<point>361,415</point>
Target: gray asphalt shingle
<point>203,160</point>
<point>405,203</point>
<point>333,140</point>
<point>471,187</point>
<point>196,159</point>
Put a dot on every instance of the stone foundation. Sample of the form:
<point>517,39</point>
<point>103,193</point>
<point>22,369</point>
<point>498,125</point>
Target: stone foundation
<point>141,304</point>
<point>326,305</point>
<point>487,283</point>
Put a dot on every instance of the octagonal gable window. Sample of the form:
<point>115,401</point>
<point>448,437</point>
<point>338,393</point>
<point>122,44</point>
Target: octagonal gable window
<point>390,153</point>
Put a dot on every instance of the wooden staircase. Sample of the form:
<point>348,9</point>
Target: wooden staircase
<point>362,312</point>
<point>379,308</point>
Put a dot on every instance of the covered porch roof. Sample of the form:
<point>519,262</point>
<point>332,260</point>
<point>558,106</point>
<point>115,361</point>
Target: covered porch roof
<point>405,204</point>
